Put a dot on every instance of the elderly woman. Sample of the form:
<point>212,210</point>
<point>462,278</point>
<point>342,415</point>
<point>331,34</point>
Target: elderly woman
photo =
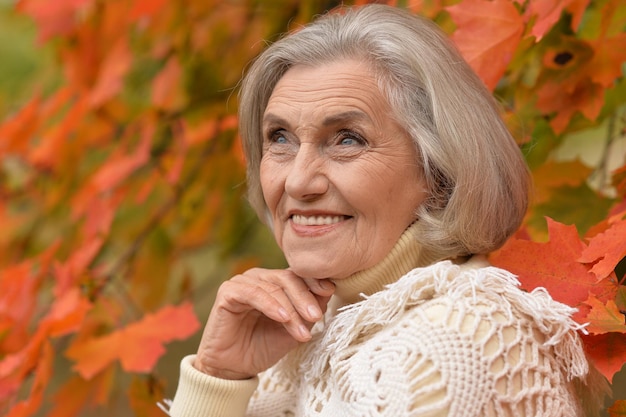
<point>385,173</point>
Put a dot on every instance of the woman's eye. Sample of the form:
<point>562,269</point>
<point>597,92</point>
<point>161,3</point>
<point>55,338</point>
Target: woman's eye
<point>278,137</point>
<point>350,139</point>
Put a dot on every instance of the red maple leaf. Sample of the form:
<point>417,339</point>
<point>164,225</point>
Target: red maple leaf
<point>488,34</point>
<point>607,352</point>
<point>606,249</point>
<point>554,265</point>
<point>548,12</point>
<point>604,317</point>
<point>137,346</point>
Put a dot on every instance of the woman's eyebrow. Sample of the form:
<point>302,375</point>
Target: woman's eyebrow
<point>343,117</point>
<point>333,119</point>
<point>273,119</point>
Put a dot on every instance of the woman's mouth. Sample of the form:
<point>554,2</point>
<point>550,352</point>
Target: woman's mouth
<point>302,220</point>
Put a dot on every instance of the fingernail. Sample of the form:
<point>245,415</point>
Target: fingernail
<point>314,311</point>
<point>304,332</point>
<point>283,313</point>
<point>326,285</point>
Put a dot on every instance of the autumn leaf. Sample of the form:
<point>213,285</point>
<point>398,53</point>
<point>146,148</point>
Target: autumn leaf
<point>620,298</point>
<point>605,318</point>
<point>112,73</point>
<point>580,206</point>
<point>618,409</point>
<point>606,249</point>
<point>553,265</point>
<point>99,215</point>
<point>585,97</point>
<point>78,394</point>
<point>130,165</point>
<point>166,94</point>
<point>609,54</point>
<point>197,133</point>
<point>67,313</point>
<point>488,34</point>
<point>121,165</point>
<point>146,8</point>
<point>53,17</point>
<point>15,132</point>
<point>137,346</point>
<point>606,351</point>
<point>50,151</point>
<point>18,292</point>
<point>548,12</point>
<point>553,174</point>
<point>144,393</point>
<point>68,273</point>
<point>54,324</point>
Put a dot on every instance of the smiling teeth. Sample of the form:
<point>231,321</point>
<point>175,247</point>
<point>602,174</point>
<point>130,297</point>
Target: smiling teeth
<point>316,220</point>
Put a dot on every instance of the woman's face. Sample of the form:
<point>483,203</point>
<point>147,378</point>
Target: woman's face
<point>339,175</point>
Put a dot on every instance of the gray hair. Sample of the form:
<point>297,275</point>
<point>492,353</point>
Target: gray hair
<point>475,174</point>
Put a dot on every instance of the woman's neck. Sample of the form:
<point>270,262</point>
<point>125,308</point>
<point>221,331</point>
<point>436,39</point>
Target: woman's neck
<point>406,255</point>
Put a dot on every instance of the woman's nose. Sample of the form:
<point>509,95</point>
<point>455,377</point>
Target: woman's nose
<point>306,178</point>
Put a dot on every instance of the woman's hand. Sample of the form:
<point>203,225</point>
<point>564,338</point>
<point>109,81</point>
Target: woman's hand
<point>257,318</point>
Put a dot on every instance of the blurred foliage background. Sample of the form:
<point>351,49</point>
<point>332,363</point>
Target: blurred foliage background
<point>122,180</point>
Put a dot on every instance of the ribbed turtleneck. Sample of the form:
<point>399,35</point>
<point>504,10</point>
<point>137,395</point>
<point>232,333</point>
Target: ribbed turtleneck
<point>406,255</point>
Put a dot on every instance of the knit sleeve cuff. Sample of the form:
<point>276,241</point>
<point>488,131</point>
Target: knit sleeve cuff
<point>200,395</point>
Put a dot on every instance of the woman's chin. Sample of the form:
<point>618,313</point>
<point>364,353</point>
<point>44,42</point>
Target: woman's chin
<point>317,271</point>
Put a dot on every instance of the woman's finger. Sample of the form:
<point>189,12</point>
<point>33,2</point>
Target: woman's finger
<point>286,301</point>
<point>300,298</point>
<point>323,287</point>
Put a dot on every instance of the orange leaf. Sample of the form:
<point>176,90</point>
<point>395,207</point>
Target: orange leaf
<point>67,313</point>
<point>42,373</point>
<point>577,9</point>
<point>610,54</point>
<point>16,132</point>
<point>146,8</point>
<point>585,97</point>
<point>111,173</point>
<point>143,394</point>
<point>488,34</point>
<point>18,293</point>
<point>606,249</point>
<point>49,152</point>
<point>119,167</point>
<point>77,393</point>
<point>53,17</point>
<point>202,132</point>
<point>554,174</point>
<point>618,409</point>
<point>95,355</point>
<point>548,12</point>
<point>604,318</point>
<point>606,351</point>
<point>99,217</point>
<point>166,91</point>
<point>112,73</point>
<point>554,265</point>
<point>174,162</point>
<point>65,316</point>
<point>67,274</point>
<point>139,345</point>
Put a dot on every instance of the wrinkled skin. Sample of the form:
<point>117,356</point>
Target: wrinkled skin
<point>341,183</point>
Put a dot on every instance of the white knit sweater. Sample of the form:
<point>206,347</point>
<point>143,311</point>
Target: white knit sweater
<point>442,340</point>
